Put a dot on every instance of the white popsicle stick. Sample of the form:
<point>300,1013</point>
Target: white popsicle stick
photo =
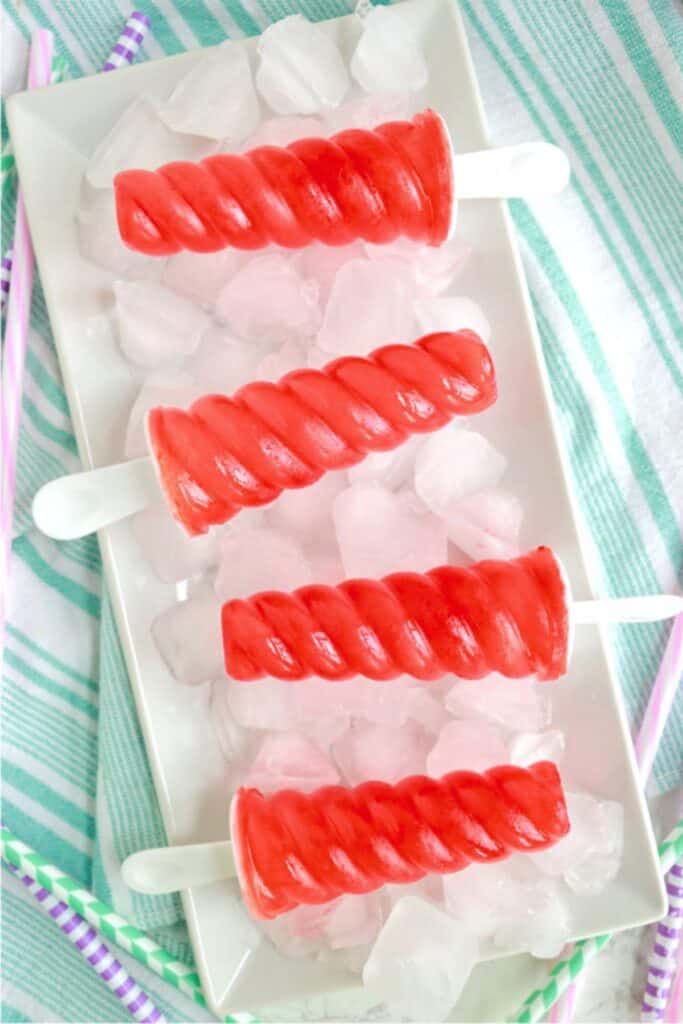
<point>524,171</point>
<point>172,868</point>
<point>651,608</point>
<point>82,503</point>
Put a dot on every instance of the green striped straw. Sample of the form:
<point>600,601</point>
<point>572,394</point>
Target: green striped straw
<point>566,971</point>
<point>102,917</point>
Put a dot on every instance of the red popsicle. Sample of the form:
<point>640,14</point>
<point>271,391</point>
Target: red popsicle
<point>510,617</point>
<point>294,848</point>
<point>394,180</point>
<point>226,453</point>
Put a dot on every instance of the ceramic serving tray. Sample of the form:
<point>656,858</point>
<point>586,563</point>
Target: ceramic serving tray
<point>54,131</point>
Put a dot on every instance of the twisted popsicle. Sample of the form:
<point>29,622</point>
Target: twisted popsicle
<point>379,184</point>
<point>293,848</point>
<point>495,616</point>
<point>226,453</point>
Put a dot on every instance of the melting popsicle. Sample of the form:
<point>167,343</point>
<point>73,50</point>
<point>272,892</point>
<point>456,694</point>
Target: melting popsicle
<point>293,848</point>
<point>227,453</point>
<point>510,617</point>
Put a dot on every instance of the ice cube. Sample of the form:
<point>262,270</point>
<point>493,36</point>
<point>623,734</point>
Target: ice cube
<point>429,888</point>
<point>291,356</point>
<point>520,704</point>
<point>592,872</point>
<point>327,568</point>
<point>353,921</point>
<point>467,745</point>
<point>281,131</point>
<point>509,902</point>
<point>370,304</point>
<point>301,71</point>
<point>479,896</point>
<point>590,855</point>
<point>383,703</point>
<point>420,961</point>
<point>369,111</point>
<point>200,276</point>
<point>155,325</point>
<point>269,300</point>
<point>216,99</point>
<point>298,933</point>
<point>306,513</point>
<point>453,463</point>
<point>316,359</point>
<point>288,760</point>
<point>347,923</point>
<point>257,559</point>
<point>162,387</point>
<point>388,57</point>
<point>540,922</point>
<point>233,738</point>
<point>381,753</point>
<point>99,240</point>
<point>451,313</point>
<point>322,263</point>
<point>164,543</point>
<point>389,469</point>
<point>324,730</point>
<point>263,704</point>
<point>487,524</point>
<point>529,747</point>
<point>140,139</point>
<point>424,709</point>
<point>188,636</point>
<point>434,267</point>
<point>381,532</point>
<point>223,363</point>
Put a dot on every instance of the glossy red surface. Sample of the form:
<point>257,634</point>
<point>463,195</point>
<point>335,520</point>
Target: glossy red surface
<point>509,617</point>
<point>394,180</point>
<point>295,848</point>
<point>226,453</point>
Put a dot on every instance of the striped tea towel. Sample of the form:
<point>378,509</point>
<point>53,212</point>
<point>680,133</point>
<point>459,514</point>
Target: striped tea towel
<point>604,262</point>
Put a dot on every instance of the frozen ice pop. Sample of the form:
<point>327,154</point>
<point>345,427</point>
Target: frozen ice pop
<point>227,453</point>
<point>379,184</point>
<point>293,848</point>
<point>510,617</point>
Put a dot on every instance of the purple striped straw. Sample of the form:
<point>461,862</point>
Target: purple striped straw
<point>88,943</point>
<point>659,705</point>
<point>5,275</point>
<point>662,961</point>
<point>128,43</point>
<point>674,1009</point>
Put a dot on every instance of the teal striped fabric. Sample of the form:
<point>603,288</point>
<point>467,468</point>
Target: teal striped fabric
<point>602,78</point>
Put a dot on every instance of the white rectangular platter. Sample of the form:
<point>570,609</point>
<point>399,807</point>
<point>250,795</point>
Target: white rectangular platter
<point>54,132</point>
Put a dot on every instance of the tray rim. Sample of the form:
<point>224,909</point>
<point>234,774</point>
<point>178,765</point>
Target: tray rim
<point>15,112</point>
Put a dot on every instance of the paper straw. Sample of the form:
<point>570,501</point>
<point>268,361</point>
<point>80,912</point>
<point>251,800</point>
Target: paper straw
<point>6,161</point>
<point>659,706</point>
<point>132,997</point>
<point>5,274</point>
<point>129,42</point>
<point>662,959</point>
<point>570,967</point>
<point>101,916</point>
<point>16,334</point>
<point>656,714</point>
<point>674,1009</point>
